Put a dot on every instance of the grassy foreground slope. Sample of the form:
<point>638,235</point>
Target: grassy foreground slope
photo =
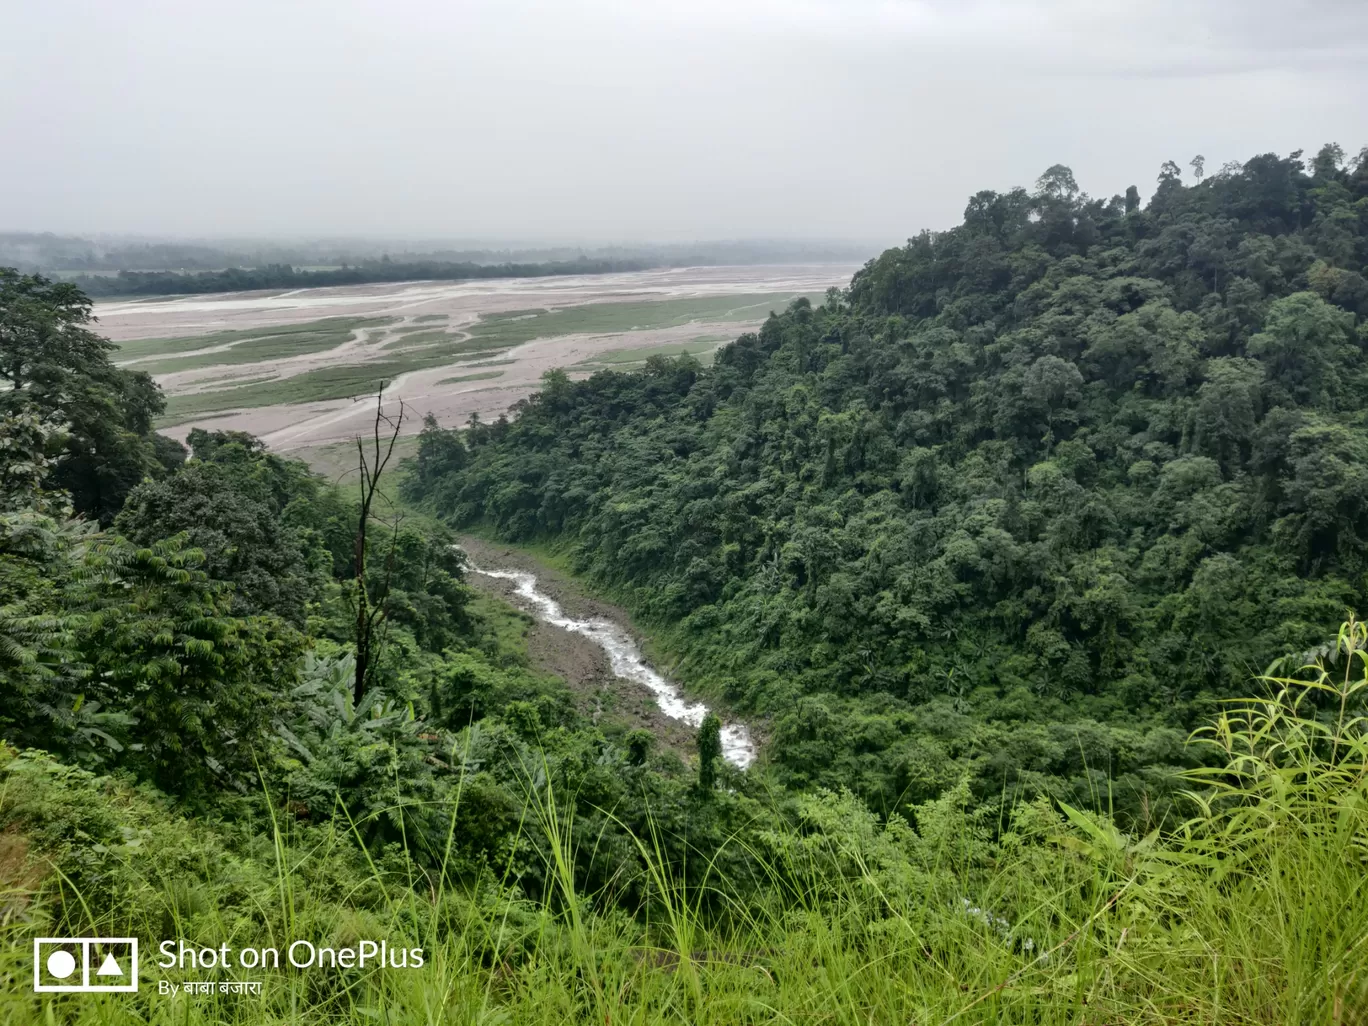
<point>1251,913</point>
<point>1026,502</point>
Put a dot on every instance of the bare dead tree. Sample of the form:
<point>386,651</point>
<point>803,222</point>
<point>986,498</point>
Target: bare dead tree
<point>370,599</point>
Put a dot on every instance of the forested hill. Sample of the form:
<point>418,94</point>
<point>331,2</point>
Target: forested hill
<point>1025,500</point>
<point>980,539</point>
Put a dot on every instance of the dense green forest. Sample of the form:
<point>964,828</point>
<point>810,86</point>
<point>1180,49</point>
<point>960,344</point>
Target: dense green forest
<point>1026,500</point>
<point>234,637</point>
<point>181,616</point>
<point>988,547</point>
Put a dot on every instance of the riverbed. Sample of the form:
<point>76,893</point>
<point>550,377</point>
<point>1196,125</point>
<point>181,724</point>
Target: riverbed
<point>451,392</point>
<point>544,594</point>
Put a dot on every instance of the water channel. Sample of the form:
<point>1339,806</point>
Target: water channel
<point>627,662</point>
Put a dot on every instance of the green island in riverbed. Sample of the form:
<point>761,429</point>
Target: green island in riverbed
<point>242,346</point>
<point>520,326</point>
<point>700,348</point>
<point>320,383</point>
<point>412,347</point>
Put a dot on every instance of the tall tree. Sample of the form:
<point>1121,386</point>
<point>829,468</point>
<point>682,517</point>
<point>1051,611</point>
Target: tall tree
<point>54,363</point>
<point>371,590</point>
<point>243,539</point>
<point>44,338</point>
<point>709,741</point>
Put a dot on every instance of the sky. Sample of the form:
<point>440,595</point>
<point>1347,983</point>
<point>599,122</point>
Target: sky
<point>637,120</point>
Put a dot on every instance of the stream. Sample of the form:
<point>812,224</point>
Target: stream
<point>627,662</point>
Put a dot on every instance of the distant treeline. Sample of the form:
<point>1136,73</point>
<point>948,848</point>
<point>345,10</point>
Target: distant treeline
<point>278,276</point>
<point>66,255</point>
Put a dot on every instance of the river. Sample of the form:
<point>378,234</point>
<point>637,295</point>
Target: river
<point>627,662</point>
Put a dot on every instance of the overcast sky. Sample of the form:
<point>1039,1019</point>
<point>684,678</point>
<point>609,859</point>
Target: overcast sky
<point>638,119</point>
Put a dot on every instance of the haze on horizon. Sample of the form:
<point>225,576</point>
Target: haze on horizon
<point>618,121</point>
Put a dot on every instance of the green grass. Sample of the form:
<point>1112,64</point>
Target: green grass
<point>516,327</point>
<point>339,382</point>
<point>512,315</point>
<point>277,347</point>
<point>424,318</point>
<point>471,377</point>
<point>423,349</point>
<point>417,347</point>
<point>465,353</point>
<point>235,380</point>
<point>411,329</point>
<point>138,349</point>
<point>337,460</point>
<point>417,337</point>
<point>623,358</point>
<point>1249,914</point>
<point>348,380</point>
<point>322,383</point>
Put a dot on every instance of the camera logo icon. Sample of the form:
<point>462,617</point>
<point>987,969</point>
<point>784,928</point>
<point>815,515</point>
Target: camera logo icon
<point>86,965</point>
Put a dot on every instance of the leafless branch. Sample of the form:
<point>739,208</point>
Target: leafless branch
<point>371,466</point>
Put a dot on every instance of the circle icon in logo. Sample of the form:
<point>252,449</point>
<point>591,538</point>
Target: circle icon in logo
<point>61,964</point>
<point>68,964</point>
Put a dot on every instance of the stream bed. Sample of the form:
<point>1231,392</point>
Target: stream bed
<point>627,662</point>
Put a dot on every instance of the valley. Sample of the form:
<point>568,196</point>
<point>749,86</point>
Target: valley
<point>593,647</point>
<point>968,568</point>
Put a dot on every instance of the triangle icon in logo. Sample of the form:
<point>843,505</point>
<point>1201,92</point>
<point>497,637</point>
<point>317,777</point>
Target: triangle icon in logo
<point>109,967</point>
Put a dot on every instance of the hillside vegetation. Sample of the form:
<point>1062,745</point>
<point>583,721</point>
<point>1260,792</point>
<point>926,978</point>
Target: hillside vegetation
<point>990,547</point>
<point>1250,914</point>
<point>1025,501</point>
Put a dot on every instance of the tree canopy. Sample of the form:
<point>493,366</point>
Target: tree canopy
<point>973,546</point>
<point>52,362</point>
<point>1028,497</point>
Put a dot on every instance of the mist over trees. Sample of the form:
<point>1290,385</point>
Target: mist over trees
<point>58,369</point>
<point>283,276</point>
<point>133,266</point>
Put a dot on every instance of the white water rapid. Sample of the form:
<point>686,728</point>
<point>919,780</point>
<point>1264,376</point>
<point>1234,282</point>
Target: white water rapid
<point>627,663</point>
